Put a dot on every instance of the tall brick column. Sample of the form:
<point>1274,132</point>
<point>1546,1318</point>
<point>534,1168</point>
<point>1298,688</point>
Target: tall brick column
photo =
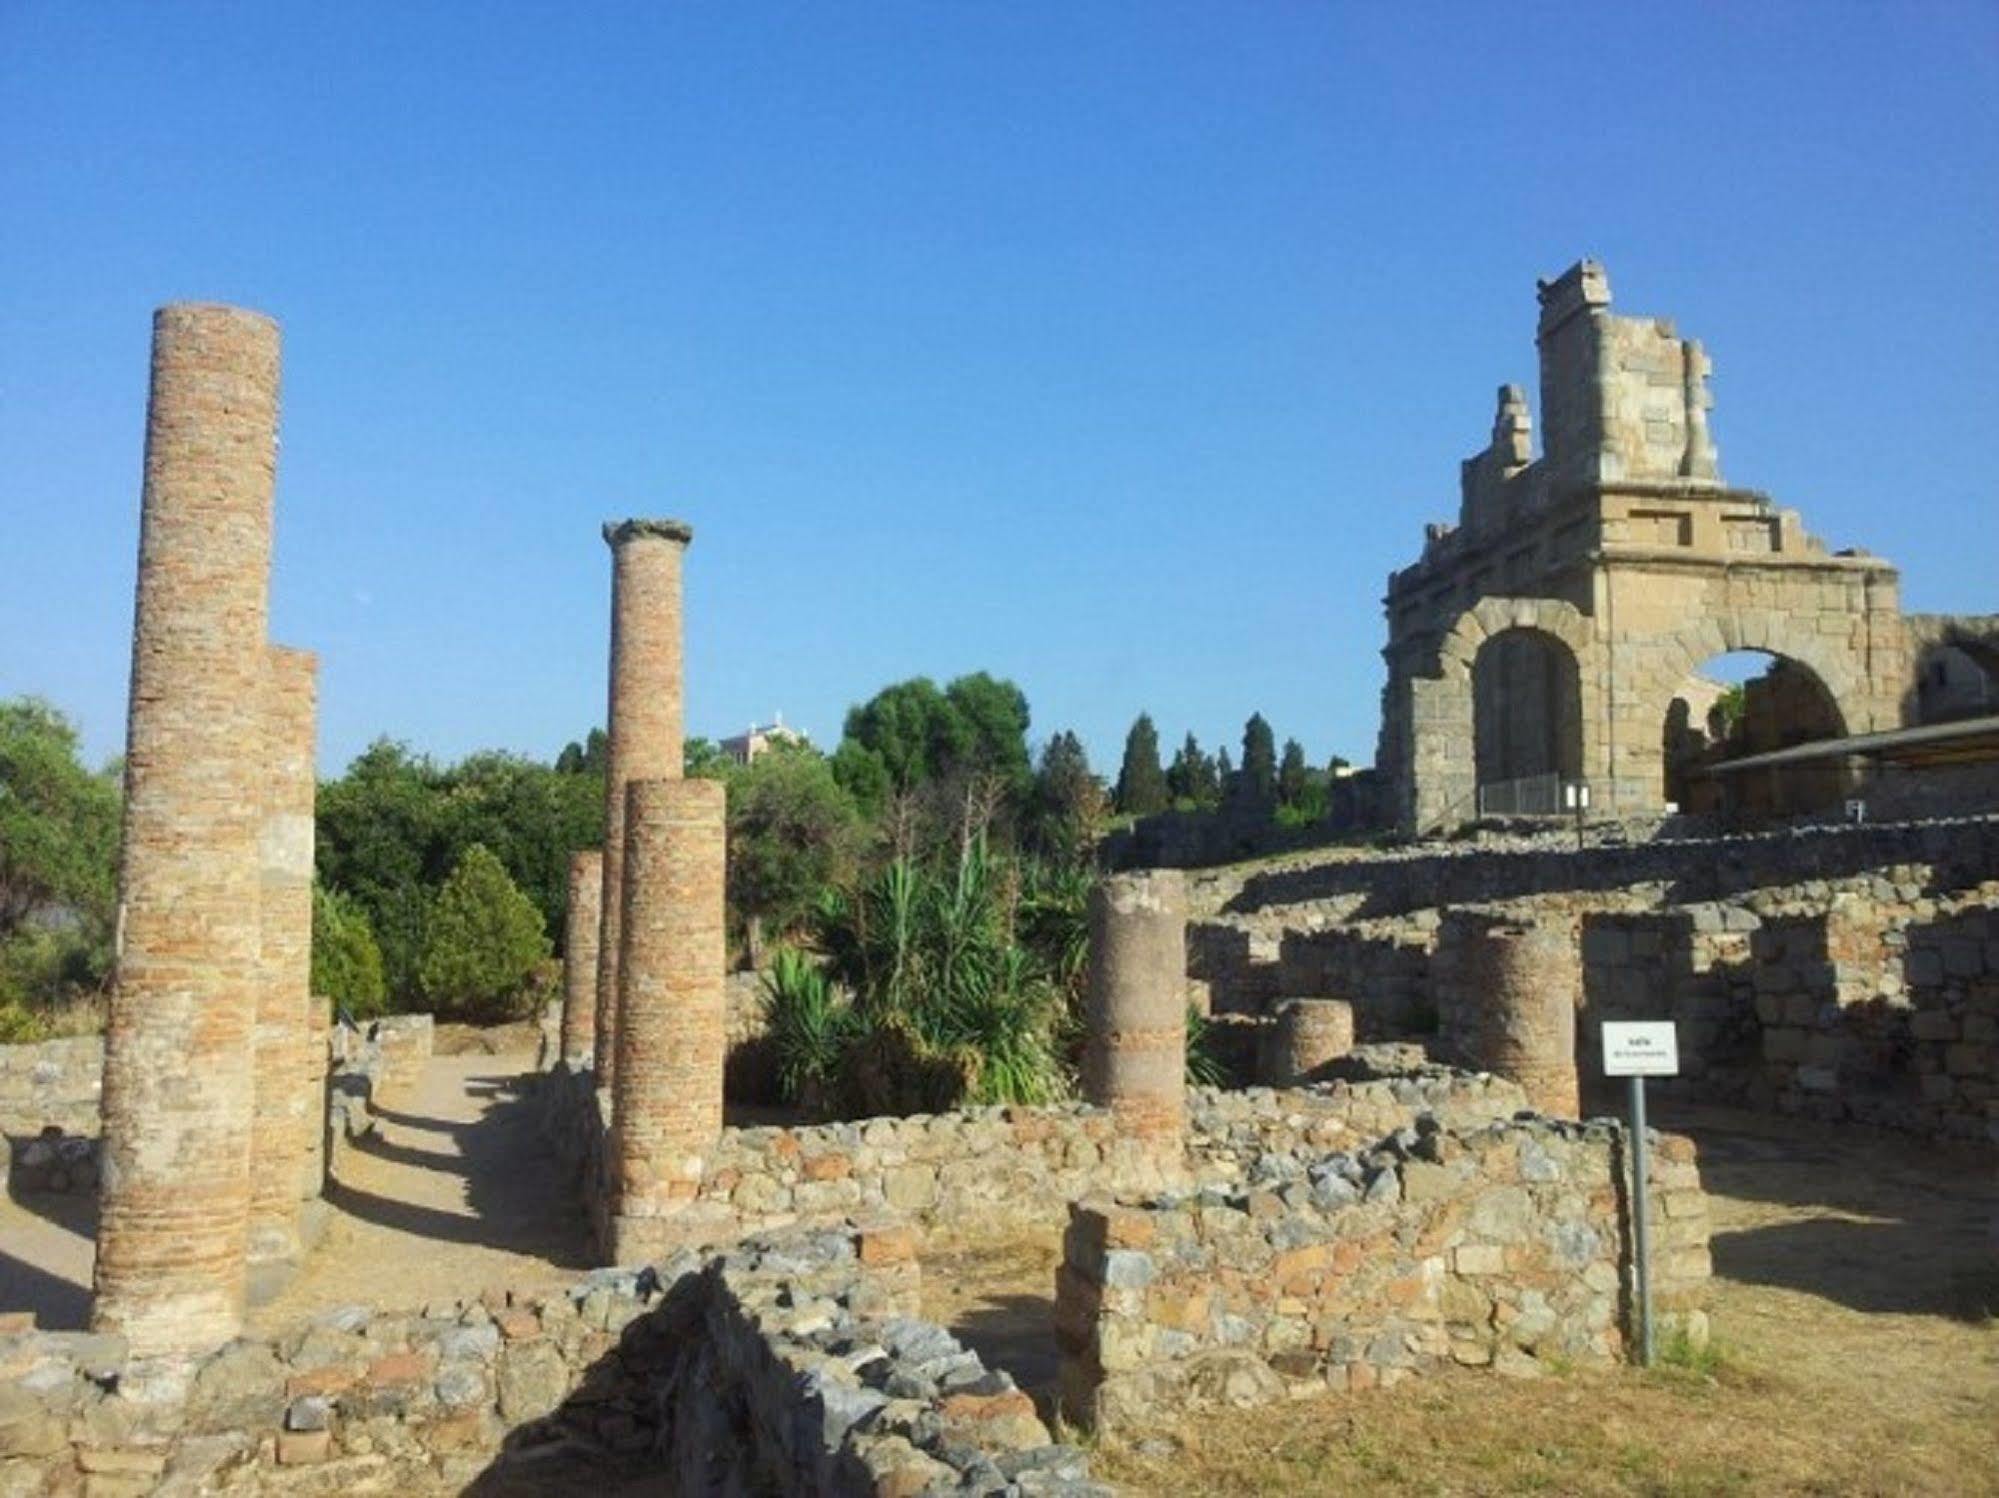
<point>1519,983</point>
<point>579,958</point>
<point>643,723</point>
<point>1135,1063</point>
<point>317,1061</point>
<point>673,1025</point>
<point>278,1137</point>
<point>178,1080</point>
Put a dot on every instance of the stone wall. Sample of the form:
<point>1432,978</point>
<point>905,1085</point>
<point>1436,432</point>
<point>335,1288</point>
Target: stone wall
<point>1957,853</point>
<point>1503,1246</point>
<point>790,1365</point>
<point>1009,1167</point>
<point>1866,999</point>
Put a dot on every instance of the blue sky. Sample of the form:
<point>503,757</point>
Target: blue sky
<point>1120,349</point>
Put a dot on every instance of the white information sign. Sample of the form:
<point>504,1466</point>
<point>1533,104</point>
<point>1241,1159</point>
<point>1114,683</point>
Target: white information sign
<point>1647,1048</point>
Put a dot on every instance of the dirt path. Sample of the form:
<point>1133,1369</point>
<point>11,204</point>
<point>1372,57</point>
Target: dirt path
<point>453,1193</point>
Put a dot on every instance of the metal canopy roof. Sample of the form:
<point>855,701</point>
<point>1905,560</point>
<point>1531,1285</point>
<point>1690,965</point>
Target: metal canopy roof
<point>1966,741</point>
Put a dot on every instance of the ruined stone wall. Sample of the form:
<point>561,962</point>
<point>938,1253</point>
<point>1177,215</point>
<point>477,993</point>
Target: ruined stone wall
<point>1630,562</point>
<point>731,1373</point>
<point>1870,1000</point>
<point>1505,1246</point>
<point>1008,1167</point>
<point>1431,875</point>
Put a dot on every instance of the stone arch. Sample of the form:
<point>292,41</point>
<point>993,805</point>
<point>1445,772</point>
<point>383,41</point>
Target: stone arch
<point>1443,708</point>
<point>1843,704</point>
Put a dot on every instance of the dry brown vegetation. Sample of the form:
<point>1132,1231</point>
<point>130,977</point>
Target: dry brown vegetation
<point>1857,1351</point>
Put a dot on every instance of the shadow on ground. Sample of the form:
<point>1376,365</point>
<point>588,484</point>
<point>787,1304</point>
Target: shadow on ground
<point>1874,1222</point>
<point>517,1194</point>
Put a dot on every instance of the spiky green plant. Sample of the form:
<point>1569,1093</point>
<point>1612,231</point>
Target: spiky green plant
<point>1204,1067</point>
<point>810,1025</point>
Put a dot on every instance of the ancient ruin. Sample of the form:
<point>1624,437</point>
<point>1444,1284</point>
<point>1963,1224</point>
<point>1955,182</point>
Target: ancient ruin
<point>201,1053</point>
<point>642,725</point>
<point>1422,1182</point>
<point>1553,636</point>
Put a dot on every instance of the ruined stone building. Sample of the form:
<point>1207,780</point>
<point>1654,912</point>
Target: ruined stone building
<point>1556,632</point>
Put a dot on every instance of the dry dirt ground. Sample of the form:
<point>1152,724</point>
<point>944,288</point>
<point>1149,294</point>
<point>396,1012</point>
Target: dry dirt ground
<point>1857,1351</point>
<point>453,1193</point>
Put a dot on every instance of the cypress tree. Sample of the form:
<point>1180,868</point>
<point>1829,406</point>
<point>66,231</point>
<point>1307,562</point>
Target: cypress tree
<point>1141,784</point>
<point>1259,761</point>
<point>1291,777</point>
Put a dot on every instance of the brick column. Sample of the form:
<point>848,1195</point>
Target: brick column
<point>673,1025</point>
<point>178,1045</point>
<point>278,1135</point>
<point>316,1060</point>
<point>1519,982</point>
<point>1135,1063</point>
<point>1308,1034</point>
<point>579,958</point>
<point>643,724</point>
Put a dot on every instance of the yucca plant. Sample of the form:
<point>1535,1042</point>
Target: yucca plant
<point>1204,1068</point>
<point>810,1025</point>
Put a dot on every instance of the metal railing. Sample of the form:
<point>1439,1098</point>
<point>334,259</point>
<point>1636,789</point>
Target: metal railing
<point>1528,796</point>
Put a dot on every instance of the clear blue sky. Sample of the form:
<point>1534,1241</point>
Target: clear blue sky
<point>1120,349</point>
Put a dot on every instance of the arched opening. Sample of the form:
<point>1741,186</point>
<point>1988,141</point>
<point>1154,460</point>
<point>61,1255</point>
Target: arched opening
<point>1527,721</point>
<point>1750,702</point>
<point>1956,681</point>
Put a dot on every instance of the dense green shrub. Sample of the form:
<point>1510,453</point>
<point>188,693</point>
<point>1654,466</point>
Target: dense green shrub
<point>811,1025</point>
<point>346,963</point>
<point>482,943</point>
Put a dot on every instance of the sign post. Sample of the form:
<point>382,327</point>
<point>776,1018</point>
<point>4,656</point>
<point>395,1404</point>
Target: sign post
<point>1641,1049</point>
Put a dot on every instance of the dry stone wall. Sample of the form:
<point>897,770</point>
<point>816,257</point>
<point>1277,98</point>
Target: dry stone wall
<point>789,1365</point>
<point>1502,1246</point>
<point>996,1168</point>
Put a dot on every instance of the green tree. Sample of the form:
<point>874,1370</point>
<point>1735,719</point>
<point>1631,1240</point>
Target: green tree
<point>586,758</point>
<point>1259,762</point>
<point>482,942</point>
<point>920,734</point>
<point>529,816</point>
<point>793,831</point>
<point>704,757</point>
<point>1141,784</point>
<point>58,821</point>
<point>1069,800</point>
<point>59,826</point>
<point>381,842</point>
<point>1192,779</point>
<point>346,963</point>
<point>1292,775</point>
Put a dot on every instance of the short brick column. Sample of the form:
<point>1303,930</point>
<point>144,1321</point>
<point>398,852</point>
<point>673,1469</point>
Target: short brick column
<point>1135,1063</point>
<point>673,1027</point>
<point>178,1079</point>
<point>1519,983</point>
<point>643,722</point>
<point>278,1136</point>
<point>1307,1034</point>
<point>581,929</point>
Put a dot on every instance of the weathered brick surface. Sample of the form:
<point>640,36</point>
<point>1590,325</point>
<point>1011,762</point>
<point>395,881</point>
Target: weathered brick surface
<point>1135,1064</point>
<point>314,1064</point>
<point>178,1077</point>
<point>579,957</point>
<point>672,1014</point>
<point>643,723</point>
<point>279,1140</point>
<point>1308,1034</point>
<point>1509,986</point>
